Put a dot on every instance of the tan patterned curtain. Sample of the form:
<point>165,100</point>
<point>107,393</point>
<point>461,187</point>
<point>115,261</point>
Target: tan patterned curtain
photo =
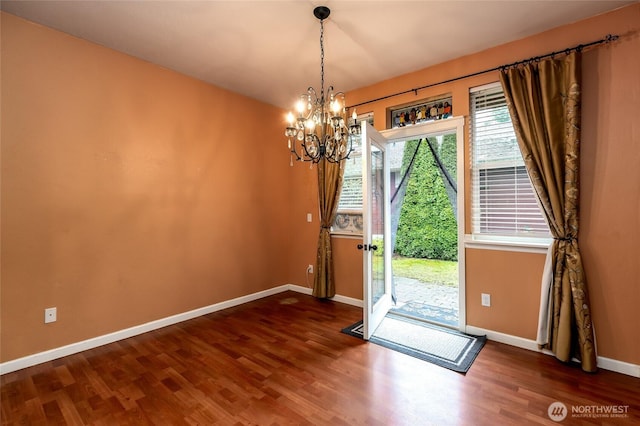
<point>329,185</point>
<point>544,102</point>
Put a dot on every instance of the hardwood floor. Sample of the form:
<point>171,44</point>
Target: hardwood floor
<point>283,360</point>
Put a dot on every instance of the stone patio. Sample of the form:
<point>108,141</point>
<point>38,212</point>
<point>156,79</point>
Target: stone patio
<point>429,301</point>
<point>409,289</point>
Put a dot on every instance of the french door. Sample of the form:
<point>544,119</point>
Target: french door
<point>376,229</point>
<point>376,189</point>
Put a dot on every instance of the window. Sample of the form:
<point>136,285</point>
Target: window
<point>503,201</point>
<point>434,109</point>
<point>349,217</point>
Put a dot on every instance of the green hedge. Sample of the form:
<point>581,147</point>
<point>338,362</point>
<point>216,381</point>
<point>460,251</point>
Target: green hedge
<point>427,226</point>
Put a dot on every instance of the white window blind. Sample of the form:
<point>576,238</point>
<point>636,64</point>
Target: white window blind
<point>503,200</point>
<point>351,194</point>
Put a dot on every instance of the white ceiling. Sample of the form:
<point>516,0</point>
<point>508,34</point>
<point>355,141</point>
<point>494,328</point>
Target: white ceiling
<point>269,49</point>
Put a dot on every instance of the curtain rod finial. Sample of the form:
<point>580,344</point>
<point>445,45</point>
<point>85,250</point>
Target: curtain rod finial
<point>611,37</point>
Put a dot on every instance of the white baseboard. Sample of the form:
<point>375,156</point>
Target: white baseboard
<point>508,339</point>
<point>619,366</point>
<point>300,289</point>
<point>31,360</point>
<point>337,298</point>
<point>348,300</point>
<point>519,342</point>
<point>39,358</point>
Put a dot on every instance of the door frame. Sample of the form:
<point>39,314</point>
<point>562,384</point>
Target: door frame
<point>424,130</point>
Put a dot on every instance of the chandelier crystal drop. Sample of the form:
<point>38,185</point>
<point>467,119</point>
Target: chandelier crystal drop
<point>319,128</point>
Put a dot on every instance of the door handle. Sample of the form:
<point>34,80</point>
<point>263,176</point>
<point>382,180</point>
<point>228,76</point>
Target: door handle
<point>367,247</point>
<point>373,247</point>
<point>360,247</point>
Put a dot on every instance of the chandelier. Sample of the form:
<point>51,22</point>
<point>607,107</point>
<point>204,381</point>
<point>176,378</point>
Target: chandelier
<point>319,129</point>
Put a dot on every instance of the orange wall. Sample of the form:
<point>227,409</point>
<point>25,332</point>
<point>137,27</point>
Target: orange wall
<point>610,206</point>
<point>127,195</point>
<point>347,265</point>
<point>303,236</point>
<point>129,192</point>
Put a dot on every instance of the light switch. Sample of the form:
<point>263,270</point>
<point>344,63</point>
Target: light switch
<point>486,299</point>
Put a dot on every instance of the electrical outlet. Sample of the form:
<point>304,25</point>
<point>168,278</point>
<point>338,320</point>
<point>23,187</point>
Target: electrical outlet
<point>310,269</point>
<point>486,299</point>
<point>50,315</point>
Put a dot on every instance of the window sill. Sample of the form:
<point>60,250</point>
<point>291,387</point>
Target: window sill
<point>527,245</point>
<point>348,235</point>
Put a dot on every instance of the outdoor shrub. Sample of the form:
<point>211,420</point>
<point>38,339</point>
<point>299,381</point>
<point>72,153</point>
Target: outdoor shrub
<point>427,226</point>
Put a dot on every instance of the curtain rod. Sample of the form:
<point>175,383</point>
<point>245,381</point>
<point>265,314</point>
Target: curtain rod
<point>608,39</point>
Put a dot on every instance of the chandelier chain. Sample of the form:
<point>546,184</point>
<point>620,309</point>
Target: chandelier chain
<point>322,58</point>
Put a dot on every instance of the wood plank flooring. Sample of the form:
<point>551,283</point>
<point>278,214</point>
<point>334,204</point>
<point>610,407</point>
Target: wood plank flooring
<point>282,360</point>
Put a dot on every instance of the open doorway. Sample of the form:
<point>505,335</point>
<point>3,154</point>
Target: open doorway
<point>426,232</point>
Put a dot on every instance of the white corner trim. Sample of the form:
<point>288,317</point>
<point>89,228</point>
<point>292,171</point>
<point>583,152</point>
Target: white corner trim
<point>520,342</point>
<point>73,348</point>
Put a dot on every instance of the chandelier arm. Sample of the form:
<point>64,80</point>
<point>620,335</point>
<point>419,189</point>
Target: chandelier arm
<point>320,149</point>
<point>294,152</point>
<point>312,92</point>
<point>305,157</point>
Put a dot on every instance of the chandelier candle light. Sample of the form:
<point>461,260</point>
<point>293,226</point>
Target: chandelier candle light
<point>319,129</point>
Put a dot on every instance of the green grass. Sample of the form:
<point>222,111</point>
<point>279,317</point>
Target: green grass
<point>441,272</point>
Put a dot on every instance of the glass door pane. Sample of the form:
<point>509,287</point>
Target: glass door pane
<point>377,223</point>
<point>377,259</point>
